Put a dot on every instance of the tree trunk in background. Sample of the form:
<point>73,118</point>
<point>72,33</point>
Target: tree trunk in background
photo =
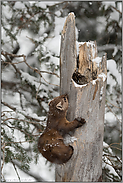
<point>86,100</point>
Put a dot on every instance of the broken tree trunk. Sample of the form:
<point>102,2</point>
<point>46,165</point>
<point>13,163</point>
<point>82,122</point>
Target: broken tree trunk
<point>85,84</point>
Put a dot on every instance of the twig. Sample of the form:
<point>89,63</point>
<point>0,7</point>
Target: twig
<point>4,113</point>
<point>113,156</point>
<point>3,178</point>
<point>50,73</point>
<point>58,4</point>
<point>116,9</point>
<point>14,109</point>
<point>37,71</point>
<point>16,170</point>
<point>109,47</point>
<point>21,120</point>
<point>114,143</point>
<point>49,83</point>
<point>30,173</point>
<point>115,167</point>
<point>113,147</point>
<point>12,63</point>
<point>38,91</point>
<point>112,104</point>
<point>118,159</point>
<point>116,148</point>
<point>113,113</point>
<point>3,156</point>
<point>19,142</point>
<point>20,130</point>
<point>4,53</point>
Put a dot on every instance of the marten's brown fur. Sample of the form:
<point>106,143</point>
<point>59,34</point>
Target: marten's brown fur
<point>50,143</point>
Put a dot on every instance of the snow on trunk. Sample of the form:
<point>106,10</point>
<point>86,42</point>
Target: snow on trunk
<point>85,83</point>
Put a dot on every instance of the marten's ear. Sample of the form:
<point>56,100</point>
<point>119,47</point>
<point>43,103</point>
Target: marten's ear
<point>60,106</point>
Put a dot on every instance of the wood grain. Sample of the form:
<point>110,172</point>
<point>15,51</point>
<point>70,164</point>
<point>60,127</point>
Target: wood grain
<point>86,101</point>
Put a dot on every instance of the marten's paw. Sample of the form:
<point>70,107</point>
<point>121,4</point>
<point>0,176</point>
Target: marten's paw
<point>81,121</point>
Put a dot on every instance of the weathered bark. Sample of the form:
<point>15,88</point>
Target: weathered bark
<point>86,101</point>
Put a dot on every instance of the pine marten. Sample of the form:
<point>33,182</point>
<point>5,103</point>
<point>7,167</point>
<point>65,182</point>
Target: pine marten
<point>51,142</point>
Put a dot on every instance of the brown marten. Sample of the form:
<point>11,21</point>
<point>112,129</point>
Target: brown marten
<point>51,143</point>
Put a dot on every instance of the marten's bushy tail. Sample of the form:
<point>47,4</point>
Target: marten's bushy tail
<point>54,149</point>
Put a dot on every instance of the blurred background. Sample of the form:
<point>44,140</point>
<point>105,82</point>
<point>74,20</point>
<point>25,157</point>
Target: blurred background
<point>30,41</point>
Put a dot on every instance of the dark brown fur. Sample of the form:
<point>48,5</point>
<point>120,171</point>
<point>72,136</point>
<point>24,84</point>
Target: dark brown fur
<point>50,143</point>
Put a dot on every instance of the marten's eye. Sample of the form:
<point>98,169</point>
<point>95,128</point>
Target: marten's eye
<point>65,99</point>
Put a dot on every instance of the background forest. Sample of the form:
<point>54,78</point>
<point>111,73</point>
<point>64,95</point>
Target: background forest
<point>30,79</point>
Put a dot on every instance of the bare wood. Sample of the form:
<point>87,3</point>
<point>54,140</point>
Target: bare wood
<point>68,53</point>
<point>86,101</point>
<point>88,51</point>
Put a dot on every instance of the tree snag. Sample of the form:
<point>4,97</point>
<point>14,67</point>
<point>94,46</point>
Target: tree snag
<point>85,84</point>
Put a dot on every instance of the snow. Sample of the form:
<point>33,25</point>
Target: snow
<point>115,51</point>
<point>90,3</point>
<point>109,167</point>
<point>11,175</point>
<point>19,5</point>
<point>47,173</point>
<point>25,43</point>
<point>101,22</point>
<point>97,60</point>
<point>103,76</point>
<point>7,72</point>
<point>114,15</point>
<point>77,47</point>
<point>58,13</point>
<point>101,93</point>
<point>105,145</point>
<point>59,23</point>
<point>107,3</point>
<point>71,13</point>
<point>111,119</point>
<point>81,43</point>
<point>112,67</point>
<point>106,163</point>
<point>31,79</point>
<point>8,169</point>
<point>33,115</point>
<point>93,82</point>
<point>52,44</point>
<point>77,85</point>
<point>90,44</point>
<point>6,12</point>
<point>69,139</point>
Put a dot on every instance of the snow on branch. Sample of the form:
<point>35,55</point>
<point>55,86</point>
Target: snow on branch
<point>8,55</point>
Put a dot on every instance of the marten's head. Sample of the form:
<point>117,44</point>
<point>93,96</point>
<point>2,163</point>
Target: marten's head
<point>59,104</point>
